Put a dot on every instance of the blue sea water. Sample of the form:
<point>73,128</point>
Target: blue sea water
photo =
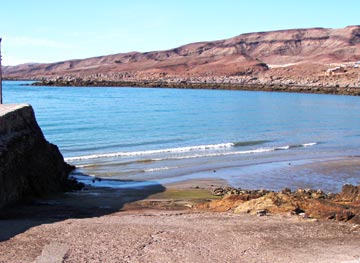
<point>165,135</point>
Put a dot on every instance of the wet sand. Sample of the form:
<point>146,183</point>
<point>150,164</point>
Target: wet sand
<point>328,173</point>
<point>160,224</point>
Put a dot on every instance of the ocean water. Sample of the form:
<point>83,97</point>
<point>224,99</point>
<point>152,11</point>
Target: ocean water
<point>250,139</point>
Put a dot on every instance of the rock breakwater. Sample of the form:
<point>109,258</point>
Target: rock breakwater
<point>341,86</point>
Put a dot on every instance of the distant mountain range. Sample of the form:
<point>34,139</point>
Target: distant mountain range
<point>263,55</point>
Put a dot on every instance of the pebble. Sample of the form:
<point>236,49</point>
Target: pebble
<point>261,213</point>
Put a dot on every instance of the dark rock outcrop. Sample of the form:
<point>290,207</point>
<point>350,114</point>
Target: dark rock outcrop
<point>29,165</point>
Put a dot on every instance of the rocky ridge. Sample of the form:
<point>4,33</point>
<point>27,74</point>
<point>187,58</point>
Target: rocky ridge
<point>314,57</point>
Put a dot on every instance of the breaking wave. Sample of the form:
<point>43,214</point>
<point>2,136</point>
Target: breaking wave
<point>204,149</point>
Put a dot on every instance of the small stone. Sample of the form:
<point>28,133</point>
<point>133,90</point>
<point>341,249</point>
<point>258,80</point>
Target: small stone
<point>330,195</point>
<point>218,191</point>
<point>286,191</point>
<point>297,211</point>
<point>331,216</point>
<point>355,228</point>
<point>261,192</point>
<point>300,191</point>
<point>303,215</point>
<point>261,213</point>
<point>188,205</point>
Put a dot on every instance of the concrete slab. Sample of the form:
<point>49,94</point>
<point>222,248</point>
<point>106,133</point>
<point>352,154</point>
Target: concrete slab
<point>6,108</point>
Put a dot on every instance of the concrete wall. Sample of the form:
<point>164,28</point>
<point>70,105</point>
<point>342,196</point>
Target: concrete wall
<point>29,165</point>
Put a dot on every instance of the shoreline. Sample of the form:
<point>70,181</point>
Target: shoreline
<point>185,194</point>
<point>334,90</point>
<point>170,226</point>
<point>193,221</point>
<point>272,173</point>
<point>207,193</point>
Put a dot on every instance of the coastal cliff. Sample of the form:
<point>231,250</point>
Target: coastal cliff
<point>29,165</point>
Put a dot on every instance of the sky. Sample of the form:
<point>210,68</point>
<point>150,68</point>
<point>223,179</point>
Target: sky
<point>45,31</point>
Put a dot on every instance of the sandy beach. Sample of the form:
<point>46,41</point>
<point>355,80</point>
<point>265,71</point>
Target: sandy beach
<point>180,236</point>
<point>162,224</point>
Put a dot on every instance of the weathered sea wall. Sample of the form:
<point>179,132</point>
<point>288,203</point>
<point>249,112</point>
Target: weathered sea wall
<point>30,166</point>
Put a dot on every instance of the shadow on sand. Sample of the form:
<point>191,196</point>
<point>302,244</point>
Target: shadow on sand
<point>89,202</point>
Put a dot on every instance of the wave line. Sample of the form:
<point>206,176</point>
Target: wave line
<point>188,149</point>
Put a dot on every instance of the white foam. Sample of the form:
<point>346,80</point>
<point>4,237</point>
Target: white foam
<point>258,150</point>
<point>188,149</point>
<point>309,144</point>
<point>83,166</point>
<point>159,169</point>
<point>287,147</point>
<point>149,152</point>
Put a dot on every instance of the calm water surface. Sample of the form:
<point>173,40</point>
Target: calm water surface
<point>166,135</point>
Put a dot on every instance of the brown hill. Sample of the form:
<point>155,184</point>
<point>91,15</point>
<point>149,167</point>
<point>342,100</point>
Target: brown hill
<point>288,53</point>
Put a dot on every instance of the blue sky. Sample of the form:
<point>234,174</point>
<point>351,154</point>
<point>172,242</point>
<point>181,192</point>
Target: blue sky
<point>56,30</point>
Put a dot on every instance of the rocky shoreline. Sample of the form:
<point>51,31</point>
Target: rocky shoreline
<point>308,203</point>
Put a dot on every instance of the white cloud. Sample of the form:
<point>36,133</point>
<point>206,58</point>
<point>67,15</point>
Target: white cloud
<point>12,61</point>
<point>23,49</point>
<point>35,42</point>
